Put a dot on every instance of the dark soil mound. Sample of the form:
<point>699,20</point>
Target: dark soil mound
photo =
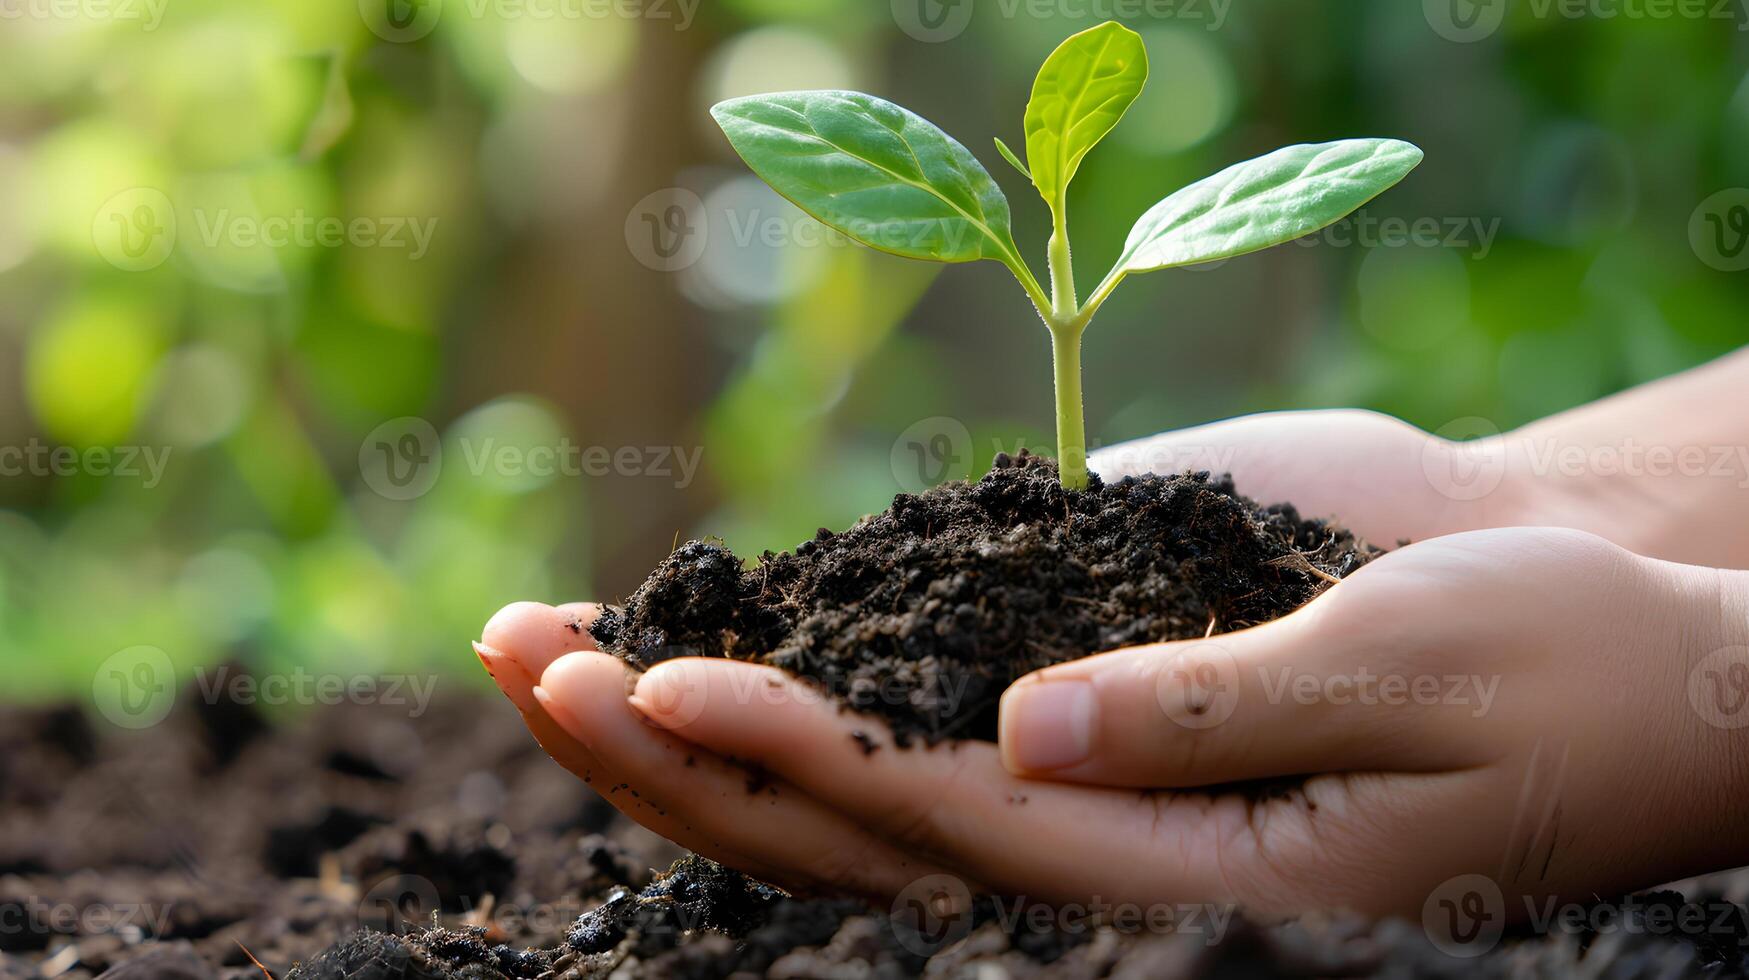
<point>925,613</point>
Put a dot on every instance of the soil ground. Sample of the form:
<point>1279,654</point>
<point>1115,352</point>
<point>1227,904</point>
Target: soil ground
<point>163,854</point>
<point>373,842</point>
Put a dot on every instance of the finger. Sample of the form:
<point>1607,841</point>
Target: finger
<point>531,635</point>
<point>764,818</point>
<point>518,644</point>
<point>1286,698</point>
<point>955,803</point>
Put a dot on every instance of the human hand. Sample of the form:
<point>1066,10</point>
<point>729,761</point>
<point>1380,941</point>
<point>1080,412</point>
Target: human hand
<point>1383,478</point>
<point>1570,760</point>
<point>1656,469</point>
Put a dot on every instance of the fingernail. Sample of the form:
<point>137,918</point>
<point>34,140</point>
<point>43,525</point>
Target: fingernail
<point>1048,725</point>
<point>559,713</point>
<point>489,658</point>
<point>642,707</point>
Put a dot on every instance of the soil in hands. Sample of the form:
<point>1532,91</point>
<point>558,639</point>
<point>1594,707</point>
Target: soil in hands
<point>925,613</point>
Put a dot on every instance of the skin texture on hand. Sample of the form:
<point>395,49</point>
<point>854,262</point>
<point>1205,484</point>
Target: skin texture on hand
<point>1511,703</point>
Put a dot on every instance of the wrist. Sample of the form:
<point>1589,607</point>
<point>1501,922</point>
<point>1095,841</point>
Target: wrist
<point>1709,620</point>
<point>1655,499</point>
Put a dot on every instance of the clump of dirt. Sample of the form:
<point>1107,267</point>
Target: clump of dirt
<point>925,613</point>
<point>696,893</point>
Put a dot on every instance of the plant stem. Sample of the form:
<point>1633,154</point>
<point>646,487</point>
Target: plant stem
<point>1066,324</point>
<point>1063,302</point>
<point>1071,426</point>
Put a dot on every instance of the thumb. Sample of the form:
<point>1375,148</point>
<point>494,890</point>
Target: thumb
<point>1276,700</point>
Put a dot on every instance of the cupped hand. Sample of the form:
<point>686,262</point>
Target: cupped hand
<point>1512,703</point>
<point>1385,479</point>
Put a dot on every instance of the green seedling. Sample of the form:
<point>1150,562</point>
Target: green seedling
<point>890,179</point>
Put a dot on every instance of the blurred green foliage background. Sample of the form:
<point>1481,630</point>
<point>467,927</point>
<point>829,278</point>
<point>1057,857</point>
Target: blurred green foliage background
<point>548,146</point>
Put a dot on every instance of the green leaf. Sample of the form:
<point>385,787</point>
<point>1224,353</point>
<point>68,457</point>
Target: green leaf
<point>1080,93</point>
<point>881,174</point>
<point>1013,161</point>
<point>1263,202</point>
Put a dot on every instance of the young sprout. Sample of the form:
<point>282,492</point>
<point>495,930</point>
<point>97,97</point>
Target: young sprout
<point>890,179</point>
